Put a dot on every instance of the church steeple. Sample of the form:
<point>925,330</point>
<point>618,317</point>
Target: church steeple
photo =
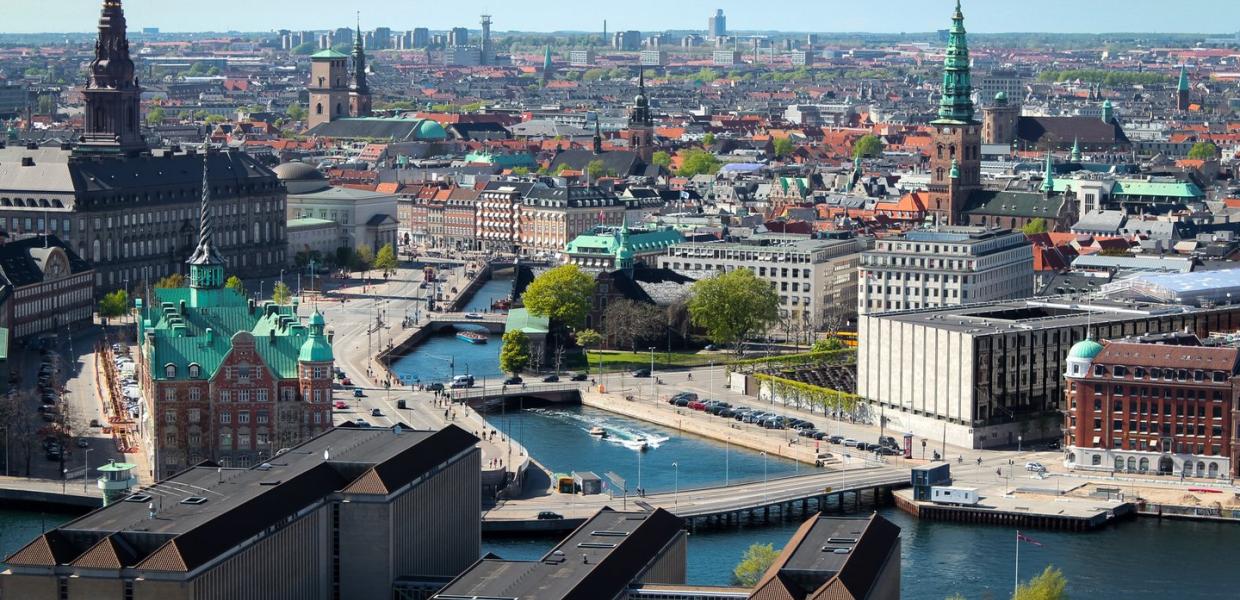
<point>206,265</point>
<point>641,104</point>
<point>359,89</point>
<point>113,97</point>
<point>1048,178</point>
<point>956,106</point>
<point>1076,151</point>
<point>598,137</point>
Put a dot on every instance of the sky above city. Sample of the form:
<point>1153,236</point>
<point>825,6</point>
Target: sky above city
<point>1059,16</point>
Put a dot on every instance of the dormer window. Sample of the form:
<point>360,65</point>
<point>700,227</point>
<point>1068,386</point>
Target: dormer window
<point>195,371</point>
<point>170,371</point>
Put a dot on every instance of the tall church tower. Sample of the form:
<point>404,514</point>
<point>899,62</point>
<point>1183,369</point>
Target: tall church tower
<point>641,124</point>
<point>329,87</point>
<point>113,97</point>
<point>1182,90</point>
<point>206,265</point>
<point>359,90</point>
<point>957,135</point>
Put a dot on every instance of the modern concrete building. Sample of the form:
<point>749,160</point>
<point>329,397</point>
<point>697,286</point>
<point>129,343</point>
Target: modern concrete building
<point>352,513</point>
<point>945,267</point>
<point>581,58</point>
<point>1159,404</point>
<point>984,375</point>
<point>816,279</point>
<point>717,26</point>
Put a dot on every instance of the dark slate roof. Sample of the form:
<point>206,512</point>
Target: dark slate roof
<point>1061,131</point>
<point>23,261</point>
<point>570,197</point>
<point>479,131</point>
<point>396,130</point>
<point>1013,204</point>
<point>620,162</point>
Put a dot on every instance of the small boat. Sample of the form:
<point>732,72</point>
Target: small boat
<point>598,431</point>
<point>642,445</point>
<point>472,337</point>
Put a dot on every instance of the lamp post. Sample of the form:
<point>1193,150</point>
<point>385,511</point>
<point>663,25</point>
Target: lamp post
<point>675,483</point>
<point>764,477</point>
<point>727,462</point>
<point>653,379</point>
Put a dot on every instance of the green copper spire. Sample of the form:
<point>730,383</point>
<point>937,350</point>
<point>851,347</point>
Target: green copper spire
<point>1048,179</point>
<point>955,172</point>
<point>206,265</point>
<point>1183,85</point>
<point>956,107</point>
<point>1108,111</point>
<point>547,60</point>
<point>1076,150</point>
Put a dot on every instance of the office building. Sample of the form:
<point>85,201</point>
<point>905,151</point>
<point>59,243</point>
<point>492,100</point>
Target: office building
<point>1009,82</point>
<point>459,36</point>
<point>581,58</point>
<point>626,40</point>
<point>383,38</point>
<point>949,266</point>
<point>421,37</point>
<point>605,557</point>
<point>462,56</point>
<point>717,26</point>
<point>653,58</point>
<point>726,58</point>
<point>816,280</point>
<point>351,513</point>
<point>1159,404</point>
<point>984,375</point>
<point>14,100</point>
<point>801,58</point>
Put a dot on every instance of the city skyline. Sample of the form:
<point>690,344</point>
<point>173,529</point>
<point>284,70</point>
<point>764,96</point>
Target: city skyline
<point>28,16</point>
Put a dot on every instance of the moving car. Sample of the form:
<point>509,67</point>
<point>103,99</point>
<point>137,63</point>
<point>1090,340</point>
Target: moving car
<point>473,315</point>
<point>1035,467</point>
<point>514,380</point>
<point>641,373</point>
<point>463,381</point>
<point>340,405</point>
<point>434,387</point>
<point>374,412</point>
<point>553,378</point>
<point>580,377</point>
<point>547,515</point>
<point>358,393</point>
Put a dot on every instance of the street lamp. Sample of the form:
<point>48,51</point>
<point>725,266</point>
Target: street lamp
<point>727,462</point>
<point>764,477</point>
<point>86,467</point>
<point>1018,440</point>
<point>653,379</point>
<point>675,483</point>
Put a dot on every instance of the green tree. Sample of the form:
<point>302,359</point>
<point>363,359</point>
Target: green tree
<point>783,147</point>
<point>514,356</point>
<point>363,258</point>
<point>214,119</point>
<point>757,559</point>
<point>156,116</point>
<point>520,171</point>
<point>596,169</point>
<point>867,146</point>
<point>47,104</point>
<point>114,304</point>
<point>562,294</point>
<point>662,159</point>
<point>280,294</point>
<point>1034,227</point>
<point>733,305</point>
<point>830,344</point>
<point>699,162</point>
<point>385,260</point>
<point>296,112</point>
<point>174,280</point>
<point>235,283</point>
<point>1203,151</point>
<point>708,139</point>
<point>1050,585</point>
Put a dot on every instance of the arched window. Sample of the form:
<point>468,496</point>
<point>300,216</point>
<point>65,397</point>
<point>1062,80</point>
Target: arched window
<point>1201,469</point>
<point>1119,463</point>
<point>257,232</point>
<point>1214,470</point>
<point>1071,458</point>
<point>95,251</point>
<point>1095,460</point>
<point>339,108</point>
<point>1132,463</point>
<point>1144,465</point>
<point>940,150</point>
<point>170,371</point>
<point>951,150</point>
<point>194,371</point>
<point>318,108</point>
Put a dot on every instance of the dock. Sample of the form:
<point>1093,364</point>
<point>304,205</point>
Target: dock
<point>1025,510</point>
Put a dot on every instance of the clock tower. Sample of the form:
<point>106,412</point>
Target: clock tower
<point>955,158</point>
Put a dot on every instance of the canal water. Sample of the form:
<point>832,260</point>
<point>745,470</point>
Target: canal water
<point>442,356</point>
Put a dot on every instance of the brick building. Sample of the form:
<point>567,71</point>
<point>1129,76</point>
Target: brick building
<point>1145,407</point>
<point>226,379</point>
<point>52,288</point>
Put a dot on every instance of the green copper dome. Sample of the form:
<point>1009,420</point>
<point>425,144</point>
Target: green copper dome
<point>1086,349</point>
<point>1001,97</point>
<point>316,348</point>
<point>430,130</point>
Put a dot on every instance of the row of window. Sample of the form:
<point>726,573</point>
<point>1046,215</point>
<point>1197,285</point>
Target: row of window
<point>1153,373</point>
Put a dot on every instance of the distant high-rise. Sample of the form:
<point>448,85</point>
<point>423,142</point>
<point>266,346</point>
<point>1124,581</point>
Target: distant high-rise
<point>486,39</point>
<point>383,38</point>
<point>459,36</point>
<point>717,26</point>
<point>421,37</point>
<point>626,40</point>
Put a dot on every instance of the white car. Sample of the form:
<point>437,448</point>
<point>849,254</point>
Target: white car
<point>473,316</point>
<point>1035,467</point>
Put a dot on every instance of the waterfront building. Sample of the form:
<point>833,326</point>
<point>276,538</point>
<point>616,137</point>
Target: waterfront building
<point>836,557</point>
<point>303,525</point>
<point>983,375</point>
<point>607,248</point>
<point>1160,404</point>
<point>607,555</point>
<point>948,266</point>
<point>126,209</point>
<point>816,280</point>
<point>362,217</point>
<point>498,215</point>
<point>225,379</point>
<point>550,217</point>
<point>47,287</point>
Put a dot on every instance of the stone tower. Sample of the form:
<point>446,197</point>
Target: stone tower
<point>329,87</point>
<point>641,124</point>
<point>999,120</point>
<point>957,135</point>
<point>113,96</point>
<point>1182,90</point>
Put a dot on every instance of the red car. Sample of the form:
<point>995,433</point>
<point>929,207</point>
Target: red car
<point>697,405</point>
<point>346,382</point>
<point>341,405</point>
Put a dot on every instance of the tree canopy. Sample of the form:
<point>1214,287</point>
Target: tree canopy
<point>114,304</point>
<point>562,294</point>
<point>868,146</point>
<point>661,158</point>
<point>235,283</point>
<point>1049,585</point>
<point>514,356</point>
<point>385,260</point>
<point>733,305</point>
<point>280,294</point>
<point>1034,227</point>
<point>363,258</point>
<point>757,559</point>
<point>174,280</point>
<point>630,322</point>
<point>1203,151</point>
<point>784,147</point>
<point>699,162</point>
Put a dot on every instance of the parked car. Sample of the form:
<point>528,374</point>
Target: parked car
<point>837,439</point>
<point>434,387</point>
<point>641,373</point>
<point>358,393</point>
<point>1035,467</point>
<point>552,378</point>
<point>725,413</point>
<point>374,412</point>
<point>547,515</point>
<point>340,405</point>
<point>83,442</point>
<point>514,380</point>
<point>687,395</point>
<point>850,443</point>
<point>820,435</point>
<point>806,432</point>
<point>889,442</point>
<point>683,402</point>
<point>889,451</point>
<point>580,377</point>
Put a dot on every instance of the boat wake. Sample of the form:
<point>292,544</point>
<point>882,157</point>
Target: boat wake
<point>619,432</point>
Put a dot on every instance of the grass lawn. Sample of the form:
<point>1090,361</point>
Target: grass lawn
<point>613,360</point>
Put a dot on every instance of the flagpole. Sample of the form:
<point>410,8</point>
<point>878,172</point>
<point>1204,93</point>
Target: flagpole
<point>1016,584</point>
